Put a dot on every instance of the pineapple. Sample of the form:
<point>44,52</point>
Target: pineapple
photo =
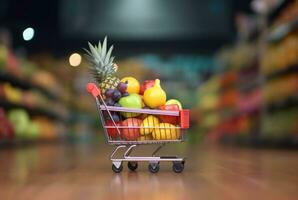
<point>102,66</point>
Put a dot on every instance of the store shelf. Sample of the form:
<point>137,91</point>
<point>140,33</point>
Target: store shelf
<point>289,70</point>
<point>275,11</point>
<point>264,87</point>
<point>288,102</point>
<point>32,110</point>
<point>247,86</point>
<point>29,142</point>
<point>227,89</point>
<point>228,113</point>
<point>252,110</point>
<point>279,32</point>
<point>240,112</point>
<point>26,84</point>
<point>260,142</point>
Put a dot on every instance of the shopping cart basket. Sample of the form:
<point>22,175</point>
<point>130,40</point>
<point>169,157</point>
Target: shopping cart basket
<point>130,131</point>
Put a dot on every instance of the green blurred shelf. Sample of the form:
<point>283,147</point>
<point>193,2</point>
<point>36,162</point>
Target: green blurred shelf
<point>33,110</point>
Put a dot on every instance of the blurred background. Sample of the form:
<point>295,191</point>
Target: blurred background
<point>232,63</point>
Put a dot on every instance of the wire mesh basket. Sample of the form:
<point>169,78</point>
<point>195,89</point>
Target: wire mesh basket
<point>127,128</point>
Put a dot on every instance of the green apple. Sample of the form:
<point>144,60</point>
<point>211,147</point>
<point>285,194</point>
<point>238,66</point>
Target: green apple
<point>32,131</point>
<point>20,120</point>
<point>3,56</point>
<point>131,101</point>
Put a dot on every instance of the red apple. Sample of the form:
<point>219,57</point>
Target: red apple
<point>169,119</point>
<point>6,128</point>
<point>9,130</point>
<point>2,114</point>
<point>131,133</point>
<point>147,84</point>
<point>113,132</point>
<point>2,93</point>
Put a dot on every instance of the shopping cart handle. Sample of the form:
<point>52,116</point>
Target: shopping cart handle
<point>92,89</point>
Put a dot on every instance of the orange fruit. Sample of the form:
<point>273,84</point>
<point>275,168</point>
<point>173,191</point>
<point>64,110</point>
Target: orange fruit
<point>133,85</point>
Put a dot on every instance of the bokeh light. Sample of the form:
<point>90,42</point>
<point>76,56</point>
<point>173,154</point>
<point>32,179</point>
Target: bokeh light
<point>75,59</point>
<point>28,34</point>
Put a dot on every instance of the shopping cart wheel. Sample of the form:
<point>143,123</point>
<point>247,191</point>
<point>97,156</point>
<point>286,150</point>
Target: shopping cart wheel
<point>132,166</point>
<point>178,167</point>
<point>117,169</point>
<point>153,167</point>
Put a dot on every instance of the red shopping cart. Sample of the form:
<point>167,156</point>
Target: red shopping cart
<point>135,128</point>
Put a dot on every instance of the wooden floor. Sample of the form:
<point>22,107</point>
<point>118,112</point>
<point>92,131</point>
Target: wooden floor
<point>84,172</point>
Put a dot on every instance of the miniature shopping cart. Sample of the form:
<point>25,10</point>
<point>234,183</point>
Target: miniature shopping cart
<point>128,132</point>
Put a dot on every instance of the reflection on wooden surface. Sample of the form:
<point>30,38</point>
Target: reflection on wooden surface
<point>84,172</point>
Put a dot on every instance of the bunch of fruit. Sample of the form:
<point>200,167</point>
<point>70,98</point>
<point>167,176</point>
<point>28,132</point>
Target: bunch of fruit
<point>24,127</point>
<point>129,93</point>
<point>16,124</point>
<point>112,96</point>
<point>136,126</point>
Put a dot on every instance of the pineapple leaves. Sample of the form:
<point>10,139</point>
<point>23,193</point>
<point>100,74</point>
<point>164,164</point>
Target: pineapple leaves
<point>99,47</point>
<point>107,59</point>
<point>104,48</point>
<point>94,53</point>
<point>88,52</point>
<point>100,60</point>
<point>112,59</point>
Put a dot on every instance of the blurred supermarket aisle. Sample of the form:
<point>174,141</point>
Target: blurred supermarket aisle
<point>227,78</point>
<point>80,172</point>
<point>233,64</point>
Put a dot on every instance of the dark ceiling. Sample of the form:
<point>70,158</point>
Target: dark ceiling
<point>45,17</point>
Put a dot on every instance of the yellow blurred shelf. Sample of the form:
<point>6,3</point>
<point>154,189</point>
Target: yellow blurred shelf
<point>26,84</point>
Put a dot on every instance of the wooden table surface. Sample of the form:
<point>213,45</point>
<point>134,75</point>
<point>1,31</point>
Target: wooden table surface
<point>84,172</point>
